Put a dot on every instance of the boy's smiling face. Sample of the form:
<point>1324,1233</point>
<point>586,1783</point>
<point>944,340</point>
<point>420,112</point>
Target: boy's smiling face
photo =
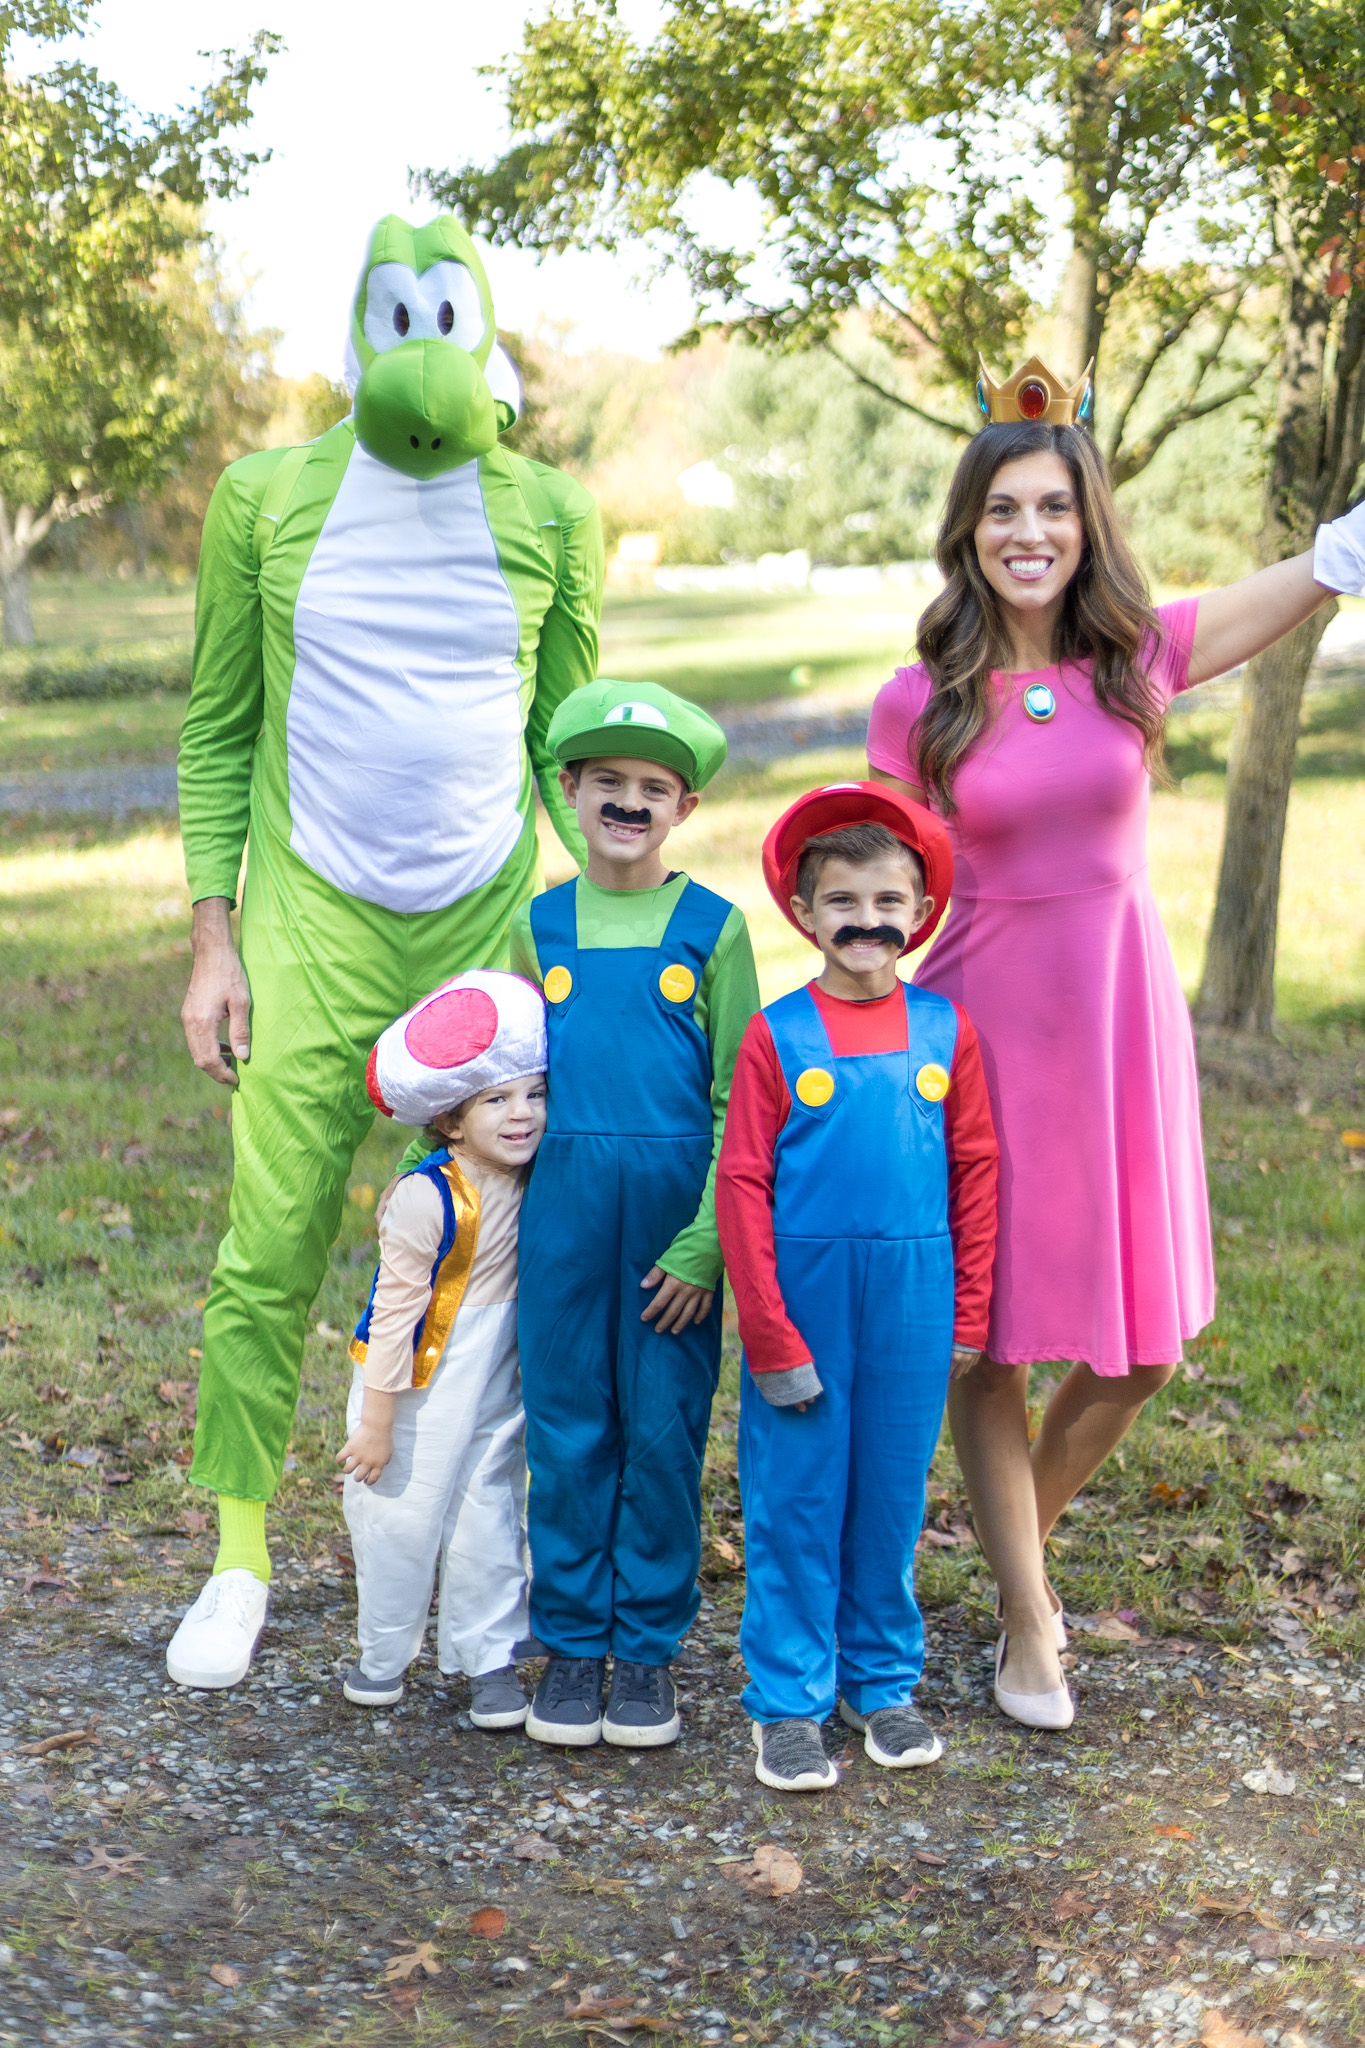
<point>626,808</point>
<point>860,916</point>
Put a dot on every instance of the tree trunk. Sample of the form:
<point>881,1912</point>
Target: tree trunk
<point>14,592</point>
<point>1238,989</point>
<point>1080,320</point>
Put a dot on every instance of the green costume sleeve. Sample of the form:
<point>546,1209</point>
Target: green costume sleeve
<point>726,1000</point>
<point>227,692</point>
<point>567,655</point>
<point>522,957</point>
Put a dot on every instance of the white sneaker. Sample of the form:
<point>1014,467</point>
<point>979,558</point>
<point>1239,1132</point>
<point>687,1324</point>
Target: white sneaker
<point>216,1641</point>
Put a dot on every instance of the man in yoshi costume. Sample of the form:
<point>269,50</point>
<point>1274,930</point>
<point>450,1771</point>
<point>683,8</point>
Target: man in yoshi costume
<point>386,621</point>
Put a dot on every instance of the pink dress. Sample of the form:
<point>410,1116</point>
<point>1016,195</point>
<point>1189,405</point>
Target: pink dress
<point>1055,949</point>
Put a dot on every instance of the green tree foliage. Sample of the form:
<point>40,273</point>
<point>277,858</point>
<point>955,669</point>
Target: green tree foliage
<point>911,157</point>
<point>97,205</point>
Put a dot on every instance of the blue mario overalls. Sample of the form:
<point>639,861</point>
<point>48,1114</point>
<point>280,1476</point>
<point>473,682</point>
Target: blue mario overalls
<point>616,1414</point>
<point>834,1497</point>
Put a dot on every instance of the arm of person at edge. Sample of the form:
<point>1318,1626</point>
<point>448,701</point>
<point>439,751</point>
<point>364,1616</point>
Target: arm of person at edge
<point>566,657</point>
<point>973,1170</point>
<point>686,1274</point>
<point>775,1352</point>
<point>409,1239</point>
<point>227,696</point>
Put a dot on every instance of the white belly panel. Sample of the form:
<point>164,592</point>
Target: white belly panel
<point>404,722</point>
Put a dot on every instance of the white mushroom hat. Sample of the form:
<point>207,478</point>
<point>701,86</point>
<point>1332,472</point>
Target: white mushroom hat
<point>473,1032</point>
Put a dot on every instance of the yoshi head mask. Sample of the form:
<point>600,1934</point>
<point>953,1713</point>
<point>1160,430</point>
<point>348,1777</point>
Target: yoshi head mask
<point>421,337</point>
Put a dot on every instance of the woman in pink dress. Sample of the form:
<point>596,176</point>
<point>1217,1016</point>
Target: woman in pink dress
<point>1032,722</point>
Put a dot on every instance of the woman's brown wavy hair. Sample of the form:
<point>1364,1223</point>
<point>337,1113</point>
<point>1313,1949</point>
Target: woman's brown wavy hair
<point>1107,617</point>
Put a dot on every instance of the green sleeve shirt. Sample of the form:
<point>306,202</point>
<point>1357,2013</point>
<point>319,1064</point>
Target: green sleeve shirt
<point>726,998</point>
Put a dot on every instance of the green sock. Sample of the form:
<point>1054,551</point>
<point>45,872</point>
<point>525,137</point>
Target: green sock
<point>241,1537</point>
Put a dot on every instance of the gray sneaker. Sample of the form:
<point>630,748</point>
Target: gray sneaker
<point>791,1757</point>
<point>371,1692</point>
<point>642,1707</point>
<point>567,1707</point>
<point>497,1700</point>
<point>898,1738</point>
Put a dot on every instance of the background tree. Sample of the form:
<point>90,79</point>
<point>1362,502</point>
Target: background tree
<point>1295,111</point>
<point>97,203</point>
<point>913,157</point>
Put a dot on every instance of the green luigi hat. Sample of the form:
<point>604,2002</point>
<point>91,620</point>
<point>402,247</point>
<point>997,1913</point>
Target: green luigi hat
<point>640,719</point>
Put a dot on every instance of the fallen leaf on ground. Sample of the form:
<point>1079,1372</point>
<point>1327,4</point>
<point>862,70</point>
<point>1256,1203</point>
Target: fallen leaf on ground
<point>1073,1905</point>
<point>1049,2005</point>
<point>1208,1903</point>
<point>226,1974</point>
<point>931,1858</point>
<point>1220,2033</point>
<point>1268,1778</point>
<point>1111,1629</point>
<point>1174,1834</point>
<point>1217,1798</point>
<point>1267,1944</point>
<point>593,2003</point>
<point>70,1740</point>
<point>488,1922</point>
<point>534,1848</point>
<point>107,1862</point>
<point>404,1997</point>
<point>724,1548</point>
<point>774,1872</point>
<point>423,1958</point>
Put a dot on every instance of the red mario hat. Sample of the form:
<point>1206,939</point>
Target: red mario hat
<point>841,804</point>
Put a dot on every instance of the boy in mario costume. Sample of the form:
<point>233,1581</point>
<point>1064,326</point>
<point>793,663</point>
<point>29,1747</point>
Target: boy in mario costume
<point>649,982</point>
<point>856,1206</point>
<point>435,1456</point>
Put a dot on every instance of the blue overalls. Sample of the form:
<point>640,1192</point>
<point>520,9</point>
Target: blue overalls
<point>616,1414</point>
<point>834,1497</point>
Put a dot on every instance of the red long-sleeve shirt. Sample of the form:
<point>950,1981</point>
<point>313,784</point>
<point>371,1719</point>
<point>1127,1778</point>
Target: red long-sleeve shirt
<point>759,1107</point>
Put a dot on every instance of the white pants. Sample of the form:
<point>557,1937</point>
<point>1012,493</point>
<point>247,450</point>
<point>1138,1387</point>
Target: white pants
<point>454,1490</point>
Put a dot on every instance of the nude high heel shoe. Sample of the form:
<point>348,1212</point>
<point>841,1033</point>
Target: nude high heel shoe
<point>1032,1709</point>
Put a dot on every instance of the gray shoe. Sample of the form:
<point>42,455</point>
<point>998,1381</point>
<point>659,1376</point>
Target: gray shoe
<point>642,1707</point>
<point>898,1738</point>
<point>791,1757</point>
<point>567,1707</point>
<point>371,1692</point>
<point>497,1700</point>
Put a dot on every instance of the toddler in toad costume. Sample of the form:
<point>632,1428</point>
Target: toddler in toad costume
<point>435,1459</point>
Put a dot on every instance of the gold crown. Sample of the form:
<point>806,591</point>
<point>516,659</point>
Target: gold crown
<point>1034,394</point>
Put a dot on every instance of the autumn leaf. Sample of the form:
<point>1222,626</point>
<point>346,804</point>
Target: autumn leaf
<point>724,1548</point>
<point>423,1958</point>
<point>1232,1908</point>
<point>1173,1834</point>
<point>534,1848</point>
<point>106,1862</point>
<point>226,1974</point>
<point>593,2003</point>
<point>488,1923</point>
<point>1220,2033</point>
<point>1073,1905</point>
<point>70,1740</point>
<point>931,1858</point>
<point>774,1872</point>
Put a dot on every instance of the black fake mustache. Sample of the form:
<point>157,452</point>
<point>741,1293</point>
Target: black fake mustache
<point>849,934</point>
<point>620,817</point>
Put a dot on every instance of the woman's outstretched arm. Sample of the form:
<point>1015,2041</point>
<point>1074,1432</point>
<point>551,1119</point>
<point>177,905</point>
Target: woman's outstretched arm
<point>1242,618</point>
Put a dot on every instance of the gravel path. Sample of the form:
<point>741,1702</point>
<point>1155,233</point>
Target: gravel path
<point>1183,1867</point>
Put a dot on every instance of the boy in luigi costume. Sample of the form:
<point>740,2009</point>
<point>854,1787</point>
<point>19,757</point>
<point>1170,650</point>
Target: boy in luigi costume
<point>856,1203</point>
<point>649,984</point>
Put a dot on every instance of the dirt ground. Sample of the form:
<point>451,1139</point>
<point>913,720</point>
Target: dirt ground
<point>1182,1866</point>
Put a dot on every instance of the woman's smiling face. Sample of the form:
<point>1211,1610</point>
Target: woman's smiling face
<point>1029,538</point>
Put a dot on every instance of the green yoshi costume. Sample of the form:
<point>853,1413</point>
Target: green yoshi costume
<point>387,619</point>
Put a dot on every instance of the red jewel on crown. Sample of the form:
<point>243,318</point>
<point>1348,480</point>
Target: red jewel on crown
<point>1032,399</point>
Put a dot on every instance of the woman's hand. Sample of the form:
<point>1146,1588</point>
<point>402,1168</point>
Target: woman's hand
<point>964,1358</point>
<point>677,1303</point>
<point>369,1447</point>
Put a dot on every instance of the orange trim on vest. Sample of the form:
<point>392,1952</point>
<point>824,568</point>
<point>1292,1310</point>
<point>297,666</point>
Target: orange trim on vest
<point>452,1278</point>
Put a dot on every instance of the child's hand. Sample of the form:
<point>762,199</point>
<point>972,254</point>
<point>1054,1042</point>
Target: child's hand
<point>369,1447</point>
<point>677,1303</point>
<point>964,1358</point>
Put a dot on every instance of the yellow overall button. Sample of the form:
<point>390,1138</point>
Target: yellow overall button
<point>677,983</point>
<point>933,1082</point>
<point>558,982</point>
<point>815,1087</point>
